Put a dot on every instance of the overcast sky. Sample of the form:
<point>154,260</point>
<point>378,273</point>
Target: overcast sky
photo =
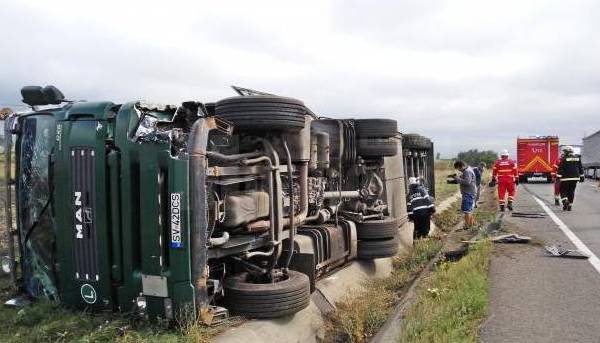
<point>468,74</point>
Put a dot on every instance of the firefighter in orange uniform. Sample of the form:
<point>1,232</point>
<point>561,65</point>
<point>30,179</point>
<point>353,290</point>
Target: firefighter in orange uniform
<point>556,181</point>
<point>506,175</point>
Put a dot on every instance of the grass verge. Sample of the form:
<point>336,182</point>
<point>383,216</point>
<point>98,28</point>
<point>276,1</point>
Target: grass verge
<point>44,321</point>
<point>363,311</point>
<point>449,218</point>
<point>451,303</point>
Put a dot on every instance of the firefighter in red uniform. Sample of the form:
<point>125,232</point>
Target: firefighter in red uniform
<point>506,175</point>
<point>556,181</point>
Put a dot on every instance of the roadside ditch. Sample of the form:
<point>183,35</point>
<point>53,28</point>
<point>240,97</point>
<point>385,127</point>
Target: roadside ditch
<point>423,285</point>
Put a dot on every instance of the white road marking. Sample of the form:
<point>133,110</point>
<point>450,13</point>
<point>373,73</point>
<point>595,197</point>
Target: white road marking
<point>594,261</point>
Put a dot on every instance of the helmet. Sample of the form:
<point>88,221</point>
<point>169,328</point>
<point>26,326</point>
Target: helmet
<point>568,149</point>
<point>504,153</point>
<point>413,180</point>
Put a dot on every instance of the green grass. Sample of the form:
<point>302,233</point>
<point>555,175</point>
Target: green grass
<point>363,311</point>
<point>449,218</point>
<point>44,321</point>
<point>443,190</point>
<point>452,303</point>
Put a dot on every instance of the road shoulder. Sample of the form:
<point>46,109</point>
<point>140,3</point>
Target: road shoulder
<point>536,298</point>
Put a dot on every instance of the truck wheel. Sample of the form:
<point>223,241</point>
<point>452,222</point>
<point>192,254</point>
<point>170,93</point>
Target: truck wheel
<point>378,229</point>
<point>380,248</point>
<point>415,141</point>
<point>376,147</point>
<point>260,112</point>
<point>267,300</point>
<point>378,128</point>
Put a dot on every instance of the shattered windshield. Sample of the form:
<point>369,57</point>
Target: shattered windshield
<point>36,222</point>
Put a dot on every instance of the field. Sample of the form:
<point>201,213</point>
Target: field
<point>443,190</point>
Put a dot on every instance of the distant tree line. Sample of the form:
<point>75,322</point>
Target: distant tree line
<point>473,157</point>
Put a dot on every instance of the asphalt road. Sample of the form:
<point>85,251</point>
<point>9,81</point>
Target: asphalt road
<point>536,298</point>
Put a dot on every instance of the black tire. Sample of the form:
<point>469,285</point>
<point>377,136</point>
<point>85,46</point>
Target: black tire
<point>378,229</point>
<point>372,249</point>
<point>376,128</point>
<point>267,300</point>
<point>376,147</point>
<point>414,141</point>
<point>260,112</point>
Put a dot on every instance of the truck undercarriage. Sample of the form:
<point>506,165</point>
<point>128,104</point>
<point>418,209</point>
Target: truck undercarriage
<point>239,205</point>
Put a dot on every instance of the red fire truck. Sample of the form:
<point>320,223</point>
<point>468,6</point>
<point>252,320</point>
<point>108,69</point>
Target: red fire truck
<point>535,156</point>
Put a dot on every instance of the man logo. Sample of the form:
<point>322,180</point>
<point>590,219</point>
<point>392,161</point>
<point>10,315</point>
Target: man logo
<point>78,216</point>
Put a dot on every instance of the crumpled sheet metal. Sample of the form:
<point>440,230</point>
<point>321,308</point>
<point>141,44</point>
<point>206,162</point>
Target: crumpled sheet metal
<point>148,106</point>
<point>148,131</point>
<point>511,238</point>
<point>558,251</point>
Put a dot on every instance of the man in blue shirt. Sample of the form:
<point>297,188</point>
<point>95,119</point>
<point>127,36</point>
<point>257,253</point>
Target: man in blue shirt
<point>468,190</point>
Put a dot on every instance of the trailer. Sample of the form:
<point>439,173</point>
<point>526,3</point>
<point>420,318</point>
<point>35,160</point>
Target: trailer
<point>590,157</point>
<point>419,158</point>
<point>238,205</point>
<point>535,156</point>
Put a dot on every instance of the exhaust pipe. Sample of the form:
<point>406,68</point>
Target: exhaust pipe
<point>199,239</point>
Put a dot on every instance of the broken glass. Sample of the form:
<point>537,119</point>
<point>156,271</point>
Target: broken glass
<point>34,197</point>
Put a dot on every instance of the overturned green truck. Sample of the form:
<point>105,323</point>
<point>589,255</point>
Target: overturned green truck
<point>235,206</point>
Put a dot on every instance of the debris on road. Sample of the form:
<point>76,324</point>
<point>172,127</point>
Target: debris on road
<point>511,238</point>
<point>506,238</point>
<point>558,251</point>
<point>528,214</point>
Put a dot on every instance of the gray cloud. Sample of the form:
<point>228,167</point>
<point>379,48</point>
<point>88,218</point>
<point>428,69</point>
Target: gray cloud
<point>469,74</point>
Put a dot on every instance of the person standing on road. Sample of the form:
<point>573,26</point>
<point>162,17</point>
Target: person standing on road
<point>569,172</point>
<point>556,181</point>
<point>478,176</point>
<point>506,175</point>
<point>468,190</point>
<point>420,207</point>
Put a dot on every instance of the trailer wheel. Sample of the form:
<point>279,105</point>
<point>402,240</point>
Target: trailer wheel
<point>267,300</point>
<point>377,147</point>
<point>372,249</point>
<point>376,128</point>
<point>415,141</point>
<point>260,112</point>
<point>378,229</point>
